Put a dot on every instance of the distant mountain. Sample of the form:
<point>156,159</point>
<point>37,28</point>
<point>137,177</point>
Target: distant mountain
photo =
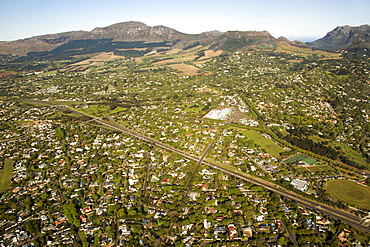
<point>138,31</point>
<point>239,40</point>
<point>38,43</point>
<point>344,37</point>
<point>126,31</point>
<point>136,39</point>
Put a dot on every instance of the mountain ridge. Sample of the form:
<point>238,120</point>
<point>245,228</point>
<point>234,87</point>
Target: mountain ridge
<point>38,43</point>
<point>124,31</point>
<point>344,37</point>
<point>341,37</point>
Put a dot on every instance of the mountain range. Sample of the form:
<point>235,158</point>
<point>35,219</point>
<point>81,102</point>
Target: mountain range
<point>124,36</point>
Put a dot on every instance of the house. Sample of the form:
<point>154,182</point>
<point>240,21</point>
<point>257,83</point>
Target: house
<point>160,213</point>
<point>204,187</point>
<point>206,224</point>
<point>259,218</point>
<point>83,218</point>
<point>219,229</point>
<point>219,218</point>
<point>247,231</point>
<point>124,230</point>
<point>304,212</point>
<point>263,227</point>
<point>85,210</point>
<point>286,209</point>
<point>322,221</point>
<point>60,222</point>
<point>263,211</point>
<point>165,181</point>
<point>233,232</point>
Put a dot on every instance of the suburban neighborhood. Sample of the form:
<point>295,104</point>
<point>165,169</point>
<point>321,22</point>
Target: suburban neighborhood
<point>68,180</point>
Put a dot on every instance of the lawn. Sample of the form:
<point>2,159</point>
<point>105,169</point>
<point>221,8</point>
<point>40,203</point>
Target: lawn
<point>300,169</point>
<point>314,169</point>
<point>6,175</point>
<point>355,156</point>
<point>268,145</point>
<point>350,192</point>
<point>101,110</point>
<point>318,168</point>
<point>348,151</point>
<point>325,167</point>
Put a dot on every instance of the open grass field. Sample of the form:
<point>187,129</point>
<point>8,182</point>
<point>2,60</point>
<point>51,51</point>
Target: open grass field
<point>97,60</point>
<point>350,192</point>
<point>210,54</point>
<point>268,145</point>
<point>349,152</point>
<point>66,102</point>
<point>101,110</point>
<point>313,169</point>
<point>355,156</point>
<point>325,167</point>
<point>307,51</point>
<point>6,175</point>
<point>185,69</point>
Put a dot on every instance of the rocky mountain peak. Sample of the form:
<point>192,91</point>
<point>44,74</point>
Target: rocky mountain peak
<point>343,37</point>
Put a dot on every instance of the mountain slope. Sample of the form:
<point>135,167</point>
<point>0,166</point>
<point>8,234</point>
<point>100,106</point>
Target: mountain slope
<point>136,39</point>
<point>344,37</point>
<point>138,31</point>
<point>238,40</point>
<point>126,31</point>
<point>38,43</point>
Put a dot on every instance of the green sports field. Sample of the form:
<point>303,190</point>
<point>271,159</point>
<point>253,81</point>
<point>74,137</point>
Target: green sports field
<point>300,157</point>
<point>6,175</point>
<point>271,147</point>
<point>350,192</point>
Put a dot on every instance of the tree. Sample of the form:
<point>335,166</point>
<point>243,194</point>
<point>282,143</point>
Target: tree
<point>33,226</point>
<point>282,241</point>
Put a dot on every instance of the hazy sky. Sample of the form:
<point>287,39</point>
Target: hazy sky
<point>295,19</point>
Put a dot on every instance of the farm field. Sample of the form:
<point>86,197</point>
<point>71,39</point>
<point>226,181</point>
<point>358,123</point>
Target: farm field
<point>269,146</point>
<point>307,51</point>
<point>350,192</point>
<point>185,69</point>
<point>6,175</point>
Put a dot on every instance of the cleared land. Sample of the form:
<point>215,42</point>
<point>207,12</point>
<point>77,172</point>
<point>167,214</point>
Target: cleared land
<point>210,54</point>
<point>306,51</point>
<point>185,69</point>
<point>350,192</point>
<point>268,145</point>
<point>6,175</point>
<point>96,61</point>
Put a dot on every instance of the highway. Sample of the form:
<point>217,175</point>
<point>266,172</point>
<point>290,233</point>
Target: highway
<point>344,216</point>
